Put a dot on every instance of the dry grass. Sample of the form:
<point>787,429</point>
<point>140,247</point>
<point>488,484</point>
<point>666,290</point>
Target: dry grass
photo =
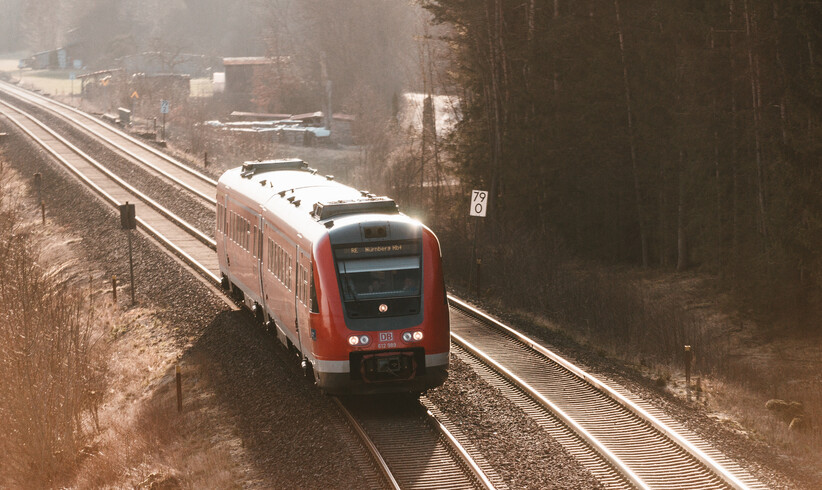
<point>51,359</point>
<point>67,355</point>
<point>147,441</point>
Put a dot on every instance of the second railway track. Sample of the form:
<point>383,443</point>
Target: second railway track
<point>623,444</point>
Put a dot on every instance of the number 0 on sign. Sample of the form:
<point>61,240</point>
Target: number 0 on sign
<point>479,203</point>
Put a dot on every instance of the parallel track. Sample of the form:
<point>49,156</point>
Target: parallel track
<point>623,443</point>
<point>134,150</point>
<point>449,465</point>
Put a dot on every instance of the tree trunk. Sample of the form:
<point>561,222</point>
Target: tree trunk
<point>634,166</point>
<point>681,239</point>
<point>756,102</point>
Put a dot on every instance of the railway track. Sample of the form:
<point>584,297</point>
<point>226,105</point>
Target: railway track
<point>415,448</point>
<point>625,443</point>
<point>128,147</point>
<point>446,463</point>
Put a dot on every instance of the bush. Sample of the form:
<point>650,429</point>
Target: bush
<point>50,380</point>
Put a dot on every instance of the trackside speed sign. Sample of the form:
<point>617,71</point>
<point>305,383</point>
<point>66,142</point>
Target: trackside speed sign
<point>479,203</point>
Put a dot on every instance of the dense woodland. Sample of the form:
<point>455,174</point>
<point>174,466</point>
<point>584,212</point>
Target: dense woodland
<point>669,134</point>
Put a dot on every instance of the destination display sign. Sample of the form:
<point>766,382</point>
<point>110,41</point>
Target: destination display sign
<point>377,250</point>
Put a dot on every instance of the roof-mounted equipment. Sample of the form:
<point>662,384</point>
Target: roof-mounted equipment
<point>377,205</point>
<point>251,168</point>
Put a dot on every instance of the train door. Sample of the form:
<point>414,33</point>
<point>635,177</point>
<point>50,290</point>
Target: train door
<point>302,301</point>
<point>259,270</point>
<point>298,320</point>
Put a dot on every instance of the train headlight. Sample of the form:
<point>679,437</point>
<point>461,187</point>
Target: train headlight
<point>359,340</point>
<point>417,336</point>
<point>406,336</point>
<point>412,336</point>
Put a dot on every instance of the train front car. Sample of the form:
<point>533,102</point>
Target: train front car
<point>340,275</point>
<point>381,279</point>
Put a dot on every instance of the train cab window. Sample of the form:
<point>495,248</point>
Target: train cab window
<point>386,277</point>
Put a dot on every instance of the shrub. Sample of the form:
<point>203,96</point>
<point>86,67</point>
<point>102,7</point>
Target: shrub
<point>50,380</point>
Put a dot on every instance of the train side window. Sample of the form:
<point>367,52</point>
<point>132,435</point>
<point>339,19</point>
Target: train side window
<point>277,270</point>
<point>288,271</point>
<point>300,276</point>
<point>304,285</point>
<point>313,306</point>
<point>246,231</point>
<point>236,223</point>
<point>254,241</point>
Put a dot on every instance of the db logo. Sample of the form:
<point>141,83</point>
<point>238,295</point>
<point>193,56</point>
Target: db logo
<point>386,336</point>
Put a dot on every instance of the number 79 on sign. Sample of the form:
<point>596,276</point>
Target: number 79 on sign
<point>479,203</point>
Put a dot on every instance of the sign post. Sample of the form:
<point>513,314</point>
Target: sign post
<point>164,110</point>
<point>128,222</point>
<point>479,207</point>
<point>134,95</point>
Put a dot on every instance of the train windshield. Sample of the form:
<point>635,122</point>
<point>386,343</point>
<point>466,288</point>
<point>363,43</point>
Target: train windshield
<point>384,277</point>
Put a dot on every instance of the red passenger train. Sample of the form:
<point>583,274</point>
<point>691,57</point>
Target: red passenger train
<point>344,278</point>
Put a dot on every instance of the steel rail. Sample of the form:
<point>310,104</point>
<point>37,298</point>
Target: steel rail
<point>156,152</point>
<point>382,466</point>
<point>479,475</point>
<point>206,240</point>
<point>564,417</point>
<point>109,198</point>
<point>726,476</point>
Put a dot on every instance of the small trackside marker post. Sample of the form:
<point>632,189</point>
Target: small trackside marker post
<point>128,222</point>
<point>114,289</point>
<point>689,359</point>
<point>179,389</point>
<point>38,186</point>
<point>479,264</point>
